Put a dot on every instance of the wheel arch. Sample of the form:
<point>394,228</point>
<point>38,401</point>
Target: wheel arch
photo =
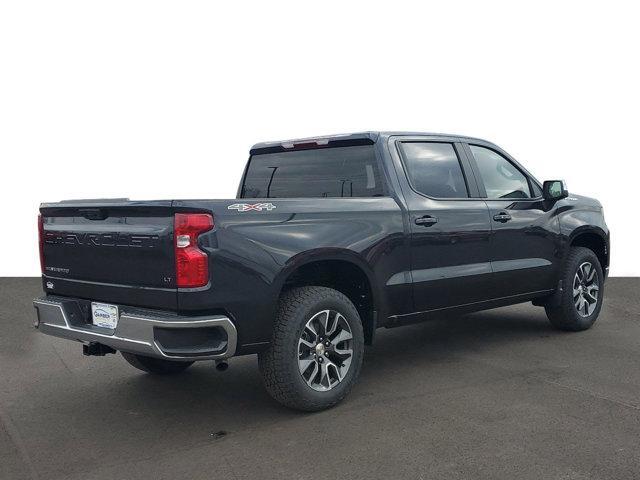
<point>593,238</point>
<point>344,271</point>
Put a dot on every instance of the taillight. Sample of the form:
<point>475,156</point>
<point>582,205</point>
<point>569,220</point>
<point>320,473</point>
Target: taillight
<point>192,264</point>
<point>41,242</point>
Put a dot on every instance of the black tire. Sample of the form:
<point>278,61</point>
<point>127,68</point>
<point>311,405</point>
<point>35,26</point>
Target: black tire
<point>279,363</point>
<point>156,366</point>
<point>565,316</point>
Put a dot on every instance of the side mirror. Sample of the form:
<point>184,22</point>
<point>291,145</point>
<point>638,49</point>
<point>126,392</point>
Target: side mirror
<point>554,190</point>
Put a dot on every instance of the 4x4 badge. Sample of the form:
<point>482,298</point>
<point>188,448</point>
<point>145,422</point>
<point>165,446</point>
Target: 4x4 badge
<point>248,207</point>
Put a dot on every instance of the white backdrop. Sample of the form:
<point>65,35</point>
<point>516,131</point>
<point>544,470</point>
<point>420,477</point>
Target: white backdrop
<point>163,99</point>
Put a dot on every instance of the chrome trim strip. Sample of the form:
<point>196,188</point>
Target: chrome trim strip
<point>466,270</point>
<point>440,273</point>
<point>134,333</point>
<point>519,264</point>
<point>455,271</point>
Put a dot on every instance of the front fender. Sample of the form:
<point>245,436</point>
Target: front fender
<point>577,221</point>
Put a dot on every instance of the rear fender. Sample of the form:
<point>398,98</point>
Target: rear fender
<point>326,254</point>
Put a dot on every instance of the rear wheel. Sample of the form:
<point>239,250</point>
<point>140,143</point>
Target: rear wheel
<point>583,290</point>
<point>156,366</point>
<point>316,352</point>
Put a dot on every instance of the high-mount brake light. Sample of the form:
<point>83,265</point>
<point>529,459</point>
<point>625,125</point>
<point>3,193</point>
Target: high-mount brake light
<point>41,241</point>
<point>192,264</point>
<point>321,142</point>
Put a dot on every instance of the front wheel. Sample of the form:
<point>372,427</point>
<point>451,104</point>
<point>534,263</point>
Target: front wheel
<point>316,350</point>
<point>156,366</point>
<point>582,295</point>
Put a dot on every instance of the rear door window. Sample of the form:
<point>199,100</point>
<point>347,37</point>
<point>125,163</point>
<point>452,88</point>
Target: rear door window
<point>434,169</point>
<point>326,172</point>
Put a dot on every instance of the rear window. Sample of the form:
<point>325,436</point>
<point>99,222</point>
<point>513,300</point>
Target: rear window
<point>325,172</point>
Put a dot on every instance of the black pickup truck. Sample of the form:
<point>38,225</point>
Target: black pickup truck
<point>328,239</point>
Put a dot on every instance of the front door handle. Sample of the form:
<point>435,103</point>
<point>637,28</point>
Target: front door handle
<point>426,221</point>
<point>502,217</point>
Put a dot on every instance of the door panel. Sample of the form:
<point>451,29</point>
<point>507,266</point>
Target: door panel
<point>523,248</point>
<point>449,236</point>
<point>450,260</point>
<point>524,230</point>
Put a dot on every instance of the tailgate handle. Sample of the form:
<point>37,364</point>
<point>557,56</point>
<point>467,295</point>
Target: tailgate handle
<point>93,213</point>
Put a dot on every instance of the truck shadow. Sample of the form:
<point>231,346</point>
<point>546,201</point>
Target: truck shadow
<point>413,349</point>
<point>456,335</point>
<point>203,406</point>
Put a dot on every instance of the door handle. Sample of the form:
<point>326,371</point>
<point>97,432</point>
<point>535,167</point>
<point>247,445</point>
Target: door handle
<point>502,217</point>
<point>426,221</point>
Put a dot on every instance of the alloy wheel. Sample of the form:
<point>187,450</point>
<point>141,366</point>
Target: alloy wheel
<point>325,350</point>
<point>585,289</point>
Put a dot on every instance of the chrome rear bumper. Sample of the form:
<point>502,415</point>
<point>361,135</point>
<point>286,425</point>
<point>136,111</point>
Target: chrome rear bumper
<point>137,332</point>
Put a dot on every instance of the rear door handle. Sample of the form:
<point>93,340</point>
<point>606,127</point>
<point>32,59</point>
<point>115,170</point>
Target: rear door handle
<point>502,217</point>
<point>426,221</point>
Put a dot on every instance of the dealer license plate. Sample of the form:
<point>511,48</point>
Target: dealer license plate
<point>104,315</point>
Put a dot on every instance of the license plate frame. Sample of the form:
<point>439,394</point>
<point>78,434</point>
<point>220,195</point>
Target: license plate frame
<point>104,315</point>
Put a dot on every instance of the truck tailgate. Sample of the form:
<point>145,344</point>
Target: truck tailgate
<point>120,250</point>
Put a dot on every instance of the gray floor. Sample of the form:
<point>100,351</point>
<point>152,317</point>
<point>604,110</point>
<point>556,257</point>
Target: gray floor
<point>492,395</point>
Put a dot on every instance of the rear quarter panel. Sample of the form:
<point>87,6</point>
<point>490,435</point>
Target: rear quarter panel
<point>252,253</point>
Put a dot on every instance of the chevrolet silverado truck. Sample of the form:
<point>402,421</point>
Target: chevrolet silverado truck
<point>328,240</point>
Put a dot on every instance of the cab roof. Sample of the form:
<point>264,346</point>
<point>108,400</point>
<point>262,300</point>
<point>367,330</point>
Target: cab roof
<point>347,139</point>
